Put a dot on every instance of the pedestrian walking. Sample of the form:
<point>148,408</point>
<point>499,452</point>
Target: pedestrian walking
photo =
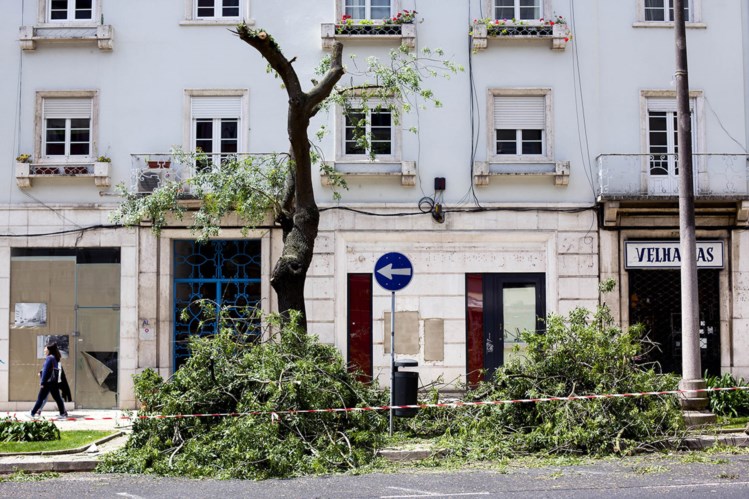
<point>49,381</point>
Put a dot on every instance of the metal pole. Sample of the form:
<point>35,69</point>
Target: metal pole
<point>392,358</point>
<point>690,325</point>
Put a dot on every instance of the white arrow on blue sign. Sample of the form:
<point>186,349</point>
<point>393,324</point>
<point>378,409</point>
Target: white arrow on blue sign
<point>393,271</point>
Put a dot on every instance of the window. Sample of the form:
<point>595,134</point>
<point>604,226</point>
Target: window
<point>520,125</point>
<point>74,21</point>
<point>367,9</point>
<point>517,9</point>
<point>215,126</point>
<point>67,127</point>
<point>375,125</point>
<point>216,12</point>
<point>71,10</point>
<point>663,10</point>
<point>660,142</point>
<point>662,132</point>
<point>520,10</point>
<point>212,9</point>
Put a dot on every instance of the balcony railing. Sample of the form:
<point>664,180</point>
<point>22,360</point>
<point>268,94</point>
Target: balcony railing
<point>150,171</point>
<point>647,175</point>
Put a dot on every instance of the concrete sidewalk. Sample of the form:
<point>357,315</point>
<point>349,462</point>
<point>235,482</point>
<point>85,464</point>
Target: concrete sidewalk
<point>84,459</point>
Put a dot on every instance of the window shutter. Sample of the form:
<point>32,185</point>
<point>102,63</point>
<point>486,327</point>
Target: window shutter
<point>666,104</point>
<point>520,113</point>
<point>67,108</point>
<point>216,107</point>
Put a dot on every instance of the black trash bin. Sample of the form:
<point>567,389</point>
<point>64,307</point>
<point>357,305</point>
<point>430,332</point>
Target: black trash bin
<point>405,388</point>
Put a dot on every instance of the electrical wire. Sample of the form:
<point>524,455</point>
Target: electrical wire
<point>473,116</point>
<point>580,106</point>
<point>743,148</point>
<point>19,94</point>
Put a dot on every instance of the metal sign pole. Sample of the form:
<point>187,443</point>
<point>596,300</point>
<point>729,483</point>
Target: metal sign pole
<point>392,358</point>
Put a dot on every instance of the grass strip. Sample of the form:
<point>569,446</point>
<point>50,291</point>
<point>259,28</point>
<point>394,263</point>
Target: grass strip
<point>68,440</point>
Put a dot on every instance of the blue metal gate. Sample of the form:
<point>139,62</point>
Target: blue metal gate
<point>224,273</point>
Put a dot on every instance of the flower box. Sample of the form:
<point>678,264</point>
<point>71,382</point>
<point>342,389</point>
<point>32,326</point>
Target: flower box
<point>159,163</point>
<point>483,30</point>
<point>405,34</point>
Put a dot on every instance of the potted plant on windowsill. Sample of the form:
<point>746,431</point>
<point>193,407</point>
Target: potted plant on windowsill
<point>102,167</point>
<point>23,170</point>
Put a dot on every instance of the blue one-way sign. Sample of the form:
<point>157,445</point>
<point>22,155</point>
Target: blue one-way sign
<point>393,271</point>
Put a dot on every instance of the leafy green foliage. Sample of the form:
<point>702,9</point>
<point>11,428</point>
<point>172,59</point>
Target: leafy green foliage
<point>728,403</point>
<point>395,85</point>
<point>579,354</point>
<point>230,373</point>
<point>13,430</point>
<point>250,186</point>
<point>23,476</point>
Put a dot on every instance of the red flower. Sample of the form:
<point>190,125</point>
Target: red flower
<point>566,39</point>
<point>551,23</point>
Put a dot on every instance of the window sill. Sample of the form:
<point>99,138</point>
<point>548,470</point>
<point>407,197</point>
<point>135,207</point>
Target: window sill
<point>403,33</point>
<point>216,22</point>
<point>102,34</point>
<point>666,24</point>
<point>99,171</point>
<point>406,170</point>
<point>484,170</point>
<point>558,34</point>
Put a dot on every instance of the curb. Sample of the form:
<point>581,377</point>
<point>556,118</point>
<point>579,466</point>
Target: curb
<point>705,442</point>
<point>58,466</point>
<point>66,463</point>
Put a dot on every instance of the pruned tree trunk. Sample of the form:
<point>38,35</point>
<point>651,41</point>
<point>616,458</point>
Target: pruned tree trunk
<point>299,217</point>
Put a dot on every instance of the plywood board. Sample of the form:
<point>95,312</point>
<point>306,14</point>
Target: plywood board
<point>50,281</point>
<point>406,333</point>
<point>98,285</point>
<point>434,339</point>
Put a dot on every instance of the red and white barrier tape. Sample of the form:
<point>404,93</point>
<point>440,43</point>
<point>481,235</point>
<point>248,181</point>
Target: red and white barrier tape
<point>275,414</point>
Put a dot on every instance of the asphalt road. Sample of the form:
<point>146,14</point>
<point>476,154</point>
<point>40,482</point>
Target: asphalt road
<point>724,476</point>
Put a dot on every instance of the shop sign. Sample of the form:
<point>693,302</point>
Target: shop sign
<point>667,254</point>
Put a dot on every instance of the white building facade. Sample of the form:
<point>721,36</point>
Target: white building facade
<point>550,166</point>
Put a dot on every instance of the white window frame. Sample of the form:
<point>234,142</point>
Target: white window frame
<point>696,98</point>
<point>546,9</point>
<point>547,136</point>
<point>395,6</point>
<point>395,138</point>
<point>40,125</point>
<point>192,19</point>
<point>189,138</point>
<point>694,21</point>
<point>45,10</point>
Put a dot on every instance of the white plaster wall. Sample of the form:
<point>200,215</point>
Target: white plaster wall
<point>141,83</point>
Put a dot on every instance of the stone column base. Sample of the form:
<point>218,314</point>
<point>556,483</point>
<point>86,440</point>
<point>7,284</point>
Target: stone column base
<point>696,401</point>
<point>699,418</point>
<point>695,405</point>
